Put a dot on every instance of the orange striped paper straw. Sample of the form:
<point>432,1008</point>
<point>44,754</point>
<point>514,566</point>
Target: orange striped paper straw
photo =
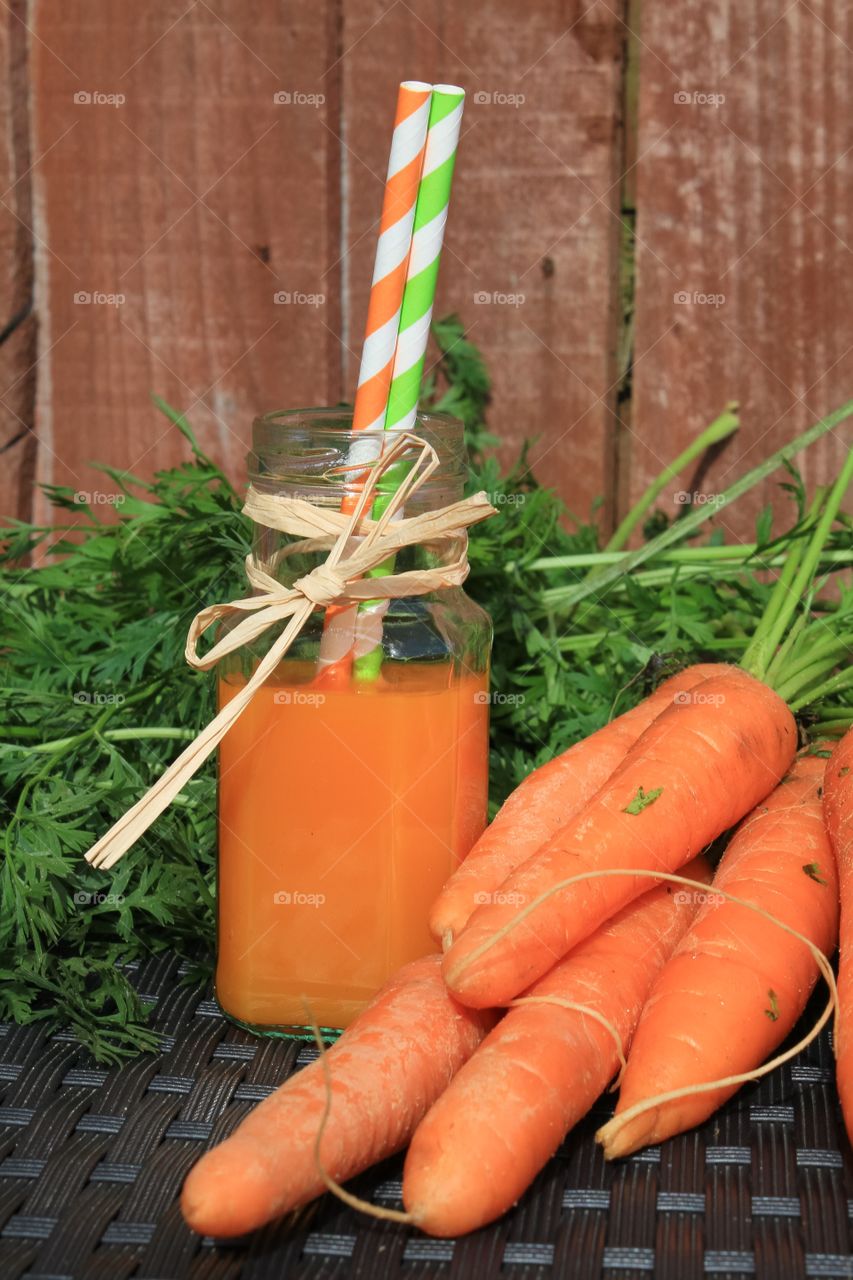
<point>383,319</point>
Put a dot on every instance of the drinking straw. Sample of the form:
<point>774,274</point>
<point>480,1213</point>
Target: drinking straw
<point>405,163</point>
<point>445,118</point>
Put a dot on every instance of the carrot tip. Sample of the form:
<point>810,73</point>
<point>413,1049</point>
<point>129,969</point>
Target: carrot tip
<point>618,1140</point>
<point>196,1214</point>
<point>440,1218</point>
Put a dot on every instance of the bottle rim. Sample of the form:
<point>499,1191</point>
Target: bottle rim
<point>322,414</point>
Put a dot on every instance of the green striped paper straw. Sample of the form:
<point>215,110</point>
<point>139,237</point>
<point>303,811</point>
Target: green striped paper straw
<point>445,118</point>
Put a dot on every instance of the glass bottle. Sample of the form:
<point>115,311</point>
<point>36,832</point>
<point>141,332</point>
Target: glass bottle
<point>344,808</point>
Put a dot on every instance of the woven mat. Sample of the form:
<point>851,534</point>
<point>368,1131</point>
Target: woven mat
<point>92,1162</point>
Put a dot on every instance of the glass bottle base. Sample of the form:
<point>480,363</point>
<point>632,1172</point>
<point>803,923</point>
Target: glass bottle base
<point>287,1031</point>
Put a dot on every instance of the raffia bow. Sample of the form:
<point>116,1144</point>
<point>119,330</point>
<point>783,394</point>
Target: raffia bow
<point>357,544</point>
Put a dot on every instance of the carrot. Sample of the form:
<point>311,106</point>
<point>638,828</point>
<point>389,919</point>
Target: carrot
<point>737,982</point>
<point>540,1070</point>
<point>695,772</point>
<point>838,812</point>
<point>544,802</point>
<point>386,1070</point>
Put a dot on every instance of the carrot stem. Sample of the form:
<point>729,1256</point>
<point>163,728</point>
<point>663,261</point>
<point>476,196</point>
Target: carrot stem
<point>591,641</point>
<point>110,735</point>
<point>841,680</point>
<point>720,429</point>
<point>740,551</point>
<point>780,660</point>
<point>681,529</point>
<point>654,577</point>
<point>798,679</point>
<point>792,587</point>
<point>677,555</point>
<point>777,660</point>
<point>832,728</point>
<point>760,649</point>
<point>792,657</point>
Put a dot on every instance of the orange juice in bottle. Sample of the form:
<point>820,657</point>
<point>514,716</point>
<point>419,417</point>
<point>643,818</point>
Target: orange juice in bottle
<point>344,808</point>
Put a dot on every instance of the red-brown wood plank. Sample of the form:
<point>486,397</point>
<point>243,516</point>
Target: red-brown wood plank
<point>198,198</point>
<point>17,326</point>
<point>747,198</point>
<point>534,207</point>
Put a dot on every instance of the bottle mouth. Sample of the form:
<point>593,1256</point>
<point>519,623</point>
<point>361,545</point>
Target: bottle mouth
<point>316,453</point>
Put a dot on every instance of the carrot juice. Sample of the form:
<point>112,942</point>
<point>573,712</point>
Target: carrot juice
<point>341,814</point>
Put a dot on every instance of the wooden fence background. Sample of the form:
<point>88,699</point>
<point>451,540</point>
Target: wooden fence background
<point>719,133</point>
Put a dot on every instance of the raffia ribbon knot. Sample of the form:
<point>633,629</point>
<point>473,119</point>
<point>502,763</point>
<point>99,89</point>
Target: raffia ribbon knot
<point>356,545</point>
<point>322,586</point>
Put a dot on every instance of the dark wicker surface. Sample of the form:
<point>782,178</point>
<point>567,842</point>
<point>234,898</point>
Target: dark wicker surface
<point>92,1162</point>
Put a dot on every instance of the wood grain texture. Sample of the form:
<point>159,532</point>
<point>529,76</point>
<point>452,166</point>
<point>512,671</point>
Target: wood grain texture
<point>17,326</point>
<point>533,212</point>
<point>748,199</point>
<point>198,199</point>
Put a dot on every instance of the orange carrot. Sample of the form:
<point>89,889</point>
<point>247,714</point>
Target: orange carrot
<point>544,802</point>
<point>386,1070</point>
<point>695,772</point>
<point>737,982</point>
<point>540,1070</point>
<point>838,812</point>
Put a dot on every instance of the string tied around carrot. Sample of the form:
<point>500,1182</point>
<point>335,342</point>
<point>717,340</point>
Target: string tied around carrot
<point>331,1184</point>
<point>606,873</point>
<point>398,1215</point>
<point>588,1012</point>
<point>609,1130</point>
<point>339,579</point>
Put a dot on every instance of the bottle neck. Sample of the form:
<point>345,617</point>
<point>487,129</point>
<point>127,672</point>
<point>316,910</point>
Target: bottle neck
<point>315,455</point>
